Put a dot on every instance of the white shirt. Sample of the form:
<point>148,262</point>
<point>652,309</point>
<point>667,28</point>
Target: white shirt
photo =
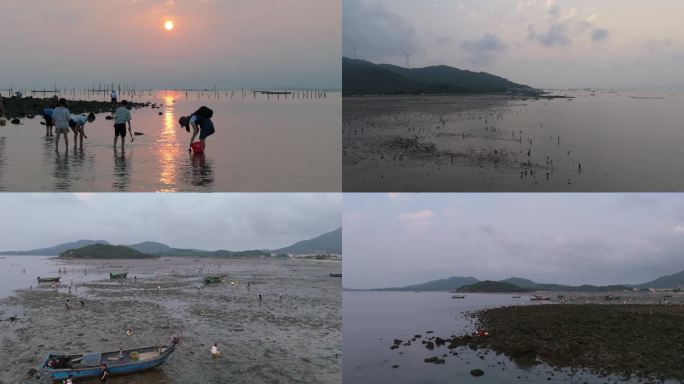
<point>80,120</point>
<point>214,350</point>
<point>60,117</point>
<point>113,94</point>
<point>193,119</point>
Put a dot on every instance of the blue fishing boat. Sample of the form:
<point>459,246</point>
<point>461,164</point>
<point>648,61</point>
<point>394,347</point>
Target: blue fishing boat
<point>60,366</point>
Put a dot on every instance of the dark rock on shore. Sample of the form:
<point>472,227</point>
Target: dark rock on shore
<point>30,106</point>
<point>477,372</point>
<point>434,360</point>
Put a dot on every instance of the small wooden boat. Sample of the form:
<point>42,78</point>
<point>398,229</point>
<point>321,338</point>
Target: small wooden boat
<point>516,297</point>
<point>48,279</point>
<point>539,298</point>
<point>121,275</point>
<point>212,279</point>
<point>61,366</point>
<point>458,297</point>
<point>335,275</point>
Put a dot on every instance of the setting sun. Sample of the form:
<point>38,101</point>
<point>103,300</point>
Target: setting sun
<point>168,25</point>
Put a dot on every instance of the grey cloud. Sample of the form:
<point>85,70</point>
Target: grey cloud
<point>657,44</point>
<point>554,10</point>
<point>600,34</point>
<point>375,32</point>
<point>445,40</point>
<point>588,239</point>
<point>204,221</point>
<point>484,50</point>
<point>556,35</point>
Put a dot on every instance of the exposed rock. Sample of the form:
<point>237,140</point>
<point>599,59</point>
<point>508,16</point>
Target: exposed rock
<point>477,372</point>
<point>434,360</point>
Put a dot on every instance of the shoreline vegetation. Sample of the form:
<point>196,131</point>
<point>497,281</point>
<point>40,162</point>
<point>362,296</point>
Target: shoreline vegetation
<point>644,341</point>
<point>30,107</point>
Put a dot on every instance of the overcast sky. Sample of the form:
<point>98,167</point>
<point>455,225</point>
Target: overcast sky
<point>228,43</point>
<point>403,239</point>
<point>210,221</point>
<point>543,43</point>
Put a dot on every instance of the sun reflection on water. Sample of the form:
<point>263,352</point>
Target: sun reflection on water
<point>169,148</point>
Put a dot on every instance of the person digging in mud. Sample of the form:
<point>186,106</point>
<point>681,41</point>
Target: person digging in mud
<point>77,124</point>
<point>47,115</point>
<point>104,374</point>
<point>215,351</point>
<point>68,306</point>
<point>69,380</point>
<point>200,122</point>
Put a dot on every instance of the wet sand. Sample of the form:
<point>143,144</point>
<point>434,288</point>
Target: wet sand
<point>296,339</point>
<point>593,142</point>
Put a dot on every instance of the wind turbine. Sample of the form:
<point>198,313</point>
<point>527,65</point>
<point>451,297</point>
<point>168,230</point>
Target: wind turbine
<point>408,59</point>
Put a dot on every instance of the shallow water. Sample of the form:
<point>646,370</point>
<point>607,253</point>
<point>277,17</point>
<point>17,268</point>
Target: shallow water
<point>261,144</point>
<point>296,339</point>
<point>372,320</point>
<point>22,272</point>
<point>623,143</point>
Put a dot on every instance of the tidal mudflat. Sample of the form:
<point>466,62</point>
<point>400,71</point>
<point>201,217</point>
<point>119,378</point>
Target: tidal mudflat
<point>262,143</point>
<point>292,335</point>
<point>407,337</point>
<point>589,141</point>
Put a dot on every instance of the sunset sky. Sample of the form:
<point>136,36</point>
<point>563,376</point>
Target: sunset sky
<point>228,43</point>
<point>544,43</point>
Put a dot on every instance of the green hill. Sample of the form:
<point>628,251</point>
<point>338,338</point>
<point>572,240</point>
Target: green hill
<point>489,286</point>
<point>326,243</point>
<point>105,251</point>
<point>54,250</point>
<point>361,77</point>
<point>670,281</point>
<point>520,282</point>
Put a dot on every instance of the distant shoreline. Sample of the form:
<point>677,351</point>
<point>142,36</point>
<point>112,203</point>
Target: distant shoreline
<point>30,107</point>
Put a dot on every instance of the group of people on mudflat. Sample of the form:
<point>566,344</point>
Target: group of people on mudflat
<point>61,120</point>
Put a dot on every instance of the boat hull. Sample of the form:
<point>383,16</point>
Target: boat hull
<point>114,368</point>
<point>118,275</point>
<point>48,279</point>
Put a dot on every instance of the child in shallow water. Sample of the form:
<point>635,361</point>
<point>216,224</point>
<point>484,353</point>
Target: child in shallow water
<point>77,124</point>
<point>60,118</point>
